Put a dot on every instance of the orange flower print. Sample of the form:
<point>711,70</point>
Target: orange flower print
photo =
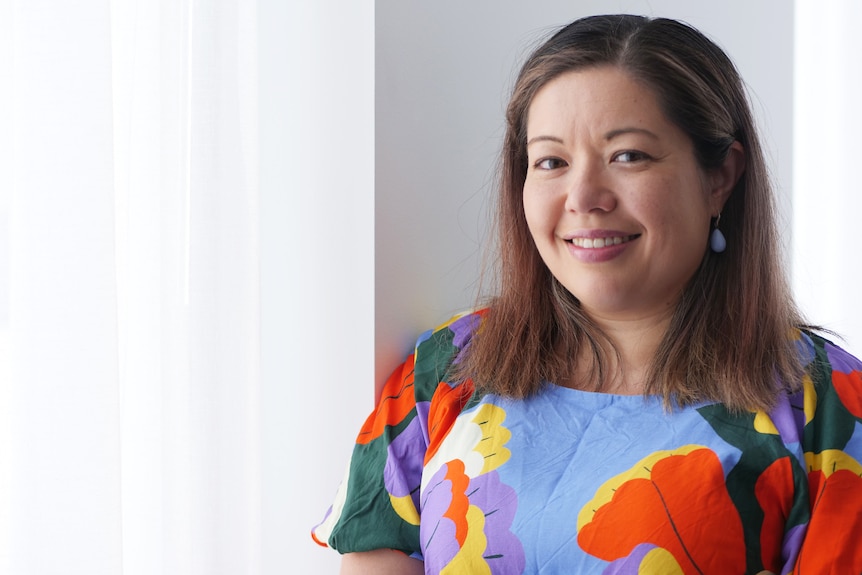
<point>445,408</point>
<point>483,430</point>
<point>396,403</point>
<point>846,378</point>
<point>466,524</point>
<point>836,526</point>
<point>848,386</point>
<point>467,511</point>
<point>655,511</point>
<point>774,490</point>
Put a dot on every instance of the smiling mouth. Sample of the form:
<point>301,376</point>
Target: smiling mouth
<point>596,243</point>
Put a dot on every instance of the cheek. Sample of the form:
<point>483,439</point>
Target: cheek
<point>533,213</point>
<point>685,232</point>
<point>680,209</point>
<point>541,207</point>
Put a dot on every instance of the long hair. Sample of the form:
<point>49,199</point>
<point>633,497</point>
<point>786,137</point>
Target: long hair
<point>730,338</point>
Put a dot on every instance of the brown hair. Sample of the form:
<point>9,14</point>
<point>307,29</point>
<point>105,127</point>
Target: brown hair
<point>731,333</point>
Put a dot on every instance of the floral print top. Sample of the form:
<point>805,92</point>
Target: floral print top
<point>569,481</point>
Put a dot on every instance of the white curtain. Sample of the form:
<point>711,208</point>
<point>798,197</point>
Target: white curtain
<point>827,201</point>
<point>129,296</point>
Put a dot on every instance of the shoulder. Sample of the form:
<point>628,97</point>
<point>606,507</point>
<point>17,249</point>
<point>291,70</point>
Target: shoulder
<point>455,333</point>
<point>438,350</point>
<point>831,394</point>
<point>823,360</point>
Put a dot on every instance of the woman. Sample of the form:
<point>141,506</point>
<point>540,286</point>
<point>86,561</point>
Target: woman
<point>642,395</point>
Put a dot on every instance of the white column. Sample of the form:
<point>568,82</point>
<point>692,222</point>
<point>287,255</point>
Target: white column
<point>827,215</point>
<point>317,263</point>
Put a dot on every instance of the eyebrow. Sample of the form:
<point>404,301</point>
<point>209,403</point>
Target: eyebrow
<point>608,136</point>
<point>622,131</point>
<point>544,139</point>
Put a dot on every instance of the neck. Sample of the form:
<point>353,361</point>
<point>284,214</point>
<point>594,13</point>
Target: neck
<point>630,351</point>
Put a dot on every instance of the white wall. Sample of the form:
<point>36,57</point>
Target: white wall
<point>443,70</point>
<point>317,218</point>
<point>827,203</point>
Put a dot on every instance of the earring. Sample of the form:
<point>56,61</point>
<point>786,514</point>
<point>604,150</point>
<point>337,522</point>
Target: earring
<point>717,241</point>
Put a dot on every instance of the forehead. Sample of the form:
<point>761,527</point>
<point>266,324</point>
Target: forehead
<point>600,98</point>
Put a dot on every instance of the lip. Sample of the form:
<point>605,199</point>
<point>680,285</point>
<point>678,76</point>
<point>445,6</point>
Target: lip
<point>581,244</point>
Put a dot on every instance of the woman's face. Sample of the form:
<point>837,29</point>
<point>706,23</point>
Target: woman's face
<point>616,203</point>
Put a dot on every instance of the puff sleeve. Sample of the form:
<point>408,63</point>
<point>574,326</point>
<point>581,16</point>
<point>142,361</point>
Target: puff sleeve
<point>377,504</point>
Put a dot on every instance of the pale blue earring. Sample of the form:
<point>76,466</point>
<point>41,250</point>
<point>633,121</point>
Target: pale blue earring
<point>717,241</point>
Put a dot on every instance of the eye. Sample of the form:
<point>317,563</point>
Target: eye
<point>630,156</point>
<point>549,164</point>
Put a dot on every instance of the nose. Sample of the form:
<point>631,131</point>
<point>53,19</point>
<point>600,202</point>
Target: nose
<point>588,189</point>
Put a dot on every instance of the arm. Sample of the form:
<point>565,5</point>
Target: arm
<point>380,562</point>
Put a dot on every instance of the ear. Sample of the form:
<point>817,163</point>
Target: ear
<point>723,179</point>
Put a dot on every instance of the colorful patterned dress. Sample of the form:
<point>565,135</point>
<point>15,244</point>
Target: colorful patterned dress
<point>577,482</point>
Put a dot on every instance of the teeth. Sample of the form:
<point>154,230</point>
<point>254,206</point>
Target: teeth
<point>593,243</point>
